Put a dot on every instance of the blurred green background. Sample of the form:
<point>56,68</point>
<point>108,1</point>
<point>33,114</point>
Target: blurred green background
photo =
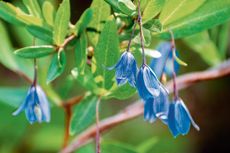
<point>209,104</point>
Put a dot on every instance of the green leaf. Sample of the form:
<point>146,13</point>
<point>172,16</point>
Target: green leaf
<point>83,22</point>
<point>86,80</point>
<point>48,12</point>
<point>84,114</point>
<point>57,66</point>
<point>8,59</point>
<point>201,44</point>
<point>127,7</point>
<point>16,16</point>
<point>176,9</point>
<point>80,53</point>
<point>114,147</point>
<point>61,23</point>
<point>151,9</point>
<point>121,92</point>
<point>35,51</point>
<point>154,25</point>
<point>33,7</point>
<point>147,37</point>
<point>106,54</point>
<point>41,33</point>
<point>211,13</point>
<point>12,96</point>
<point>101,11</point>
<point>145,146</point>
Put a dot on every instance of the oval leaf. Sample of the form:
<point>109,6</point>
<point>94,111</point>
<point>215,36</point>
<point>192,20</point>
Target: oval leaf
<point>41,33</point>
<point>35,51</point>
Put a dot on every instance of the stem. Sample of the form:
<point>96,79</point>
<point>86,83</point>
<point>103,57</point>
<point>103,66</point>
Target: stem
<point>131,37</point>
<point>35,66</point>
<point>173,48</point>
<point>141,32</point>
<point>98,148</point>
<point>68,114</point>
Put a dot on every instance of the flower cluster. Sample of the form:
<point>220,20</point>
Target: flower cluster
<point>154,95</point>
<point>36,106</point>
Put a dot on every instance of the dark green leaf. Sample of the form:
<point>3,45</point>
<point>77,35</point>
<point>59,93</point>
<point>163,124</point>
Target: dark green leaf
<point>147,37</point>
<point>41,33</point>
<point>35,51</point>
<point>84,114</point>
<point>127,7</point>
<point>80,53</point>
<point>61,23</point>
<point>211,13</point>
<point>12,96</point>
<point>84,21</point>
<point>101,12</point>
<point>57,66</point>
<point>106,54</point>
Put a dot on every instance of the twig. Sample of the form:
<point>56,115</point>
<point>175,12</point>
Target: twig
<point>136,109</point>
<point>98,147</point>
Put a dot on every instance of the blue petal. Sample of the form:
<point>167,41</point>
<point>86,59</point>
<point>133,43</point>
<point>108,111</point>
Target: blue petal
<point>149,114</point>
<point>161,105</point>
<point>182,119</point>
<point>44,104</point>
<point>172,121</point>
<point>186,111</point>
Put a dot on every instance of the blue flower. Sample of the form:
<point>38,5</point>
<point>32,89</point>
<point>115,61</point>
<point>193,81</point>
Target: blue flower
<point>164,63</point>
<point>179,118</point>
<point>153,93</point>
<point>126,69</point>
<point>36,106</point>
<point>148,85</point>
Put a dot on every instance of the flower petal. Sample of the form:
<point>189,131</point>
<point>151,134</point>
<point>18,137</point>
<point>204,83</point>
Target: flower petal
<point>149,114</point>
<point>172,121</point>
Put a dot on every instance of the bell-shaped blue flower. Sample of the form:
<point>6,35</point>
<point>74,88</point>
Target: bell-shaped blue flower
<point>149,114</point>
<point>164,63</point>
<point>126,69</point>
<point>179,118</point>
<point>148,85</point>
<point>36,106</point>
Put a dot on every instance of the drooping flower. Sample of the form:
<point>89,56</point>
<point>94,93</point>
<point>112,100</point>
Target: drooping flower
<point>148,85</point>
<point>164,63</point>
<point>179,118</point>
<point>36,106</point>
<point>154,95</point>
<point>126,69</point>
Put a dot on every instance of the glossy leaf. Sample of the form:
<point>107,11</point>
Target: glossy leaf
<point>101,12</point>
<point>201,44</point>
<point>41,33</point>
<point>83,114</point>
<point>33,7</point>
<point>176,9</point>
<point>106,54</point>
<point>57,66</point>
<point>80,53</point>
<point>61,23</point>
<point>83,22</point>
<point>48,12</point>
<point>151,9</point>
<point>35,51</point>
<point>154,25</point>
<point>12,96</point>
<point>211,13</point>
